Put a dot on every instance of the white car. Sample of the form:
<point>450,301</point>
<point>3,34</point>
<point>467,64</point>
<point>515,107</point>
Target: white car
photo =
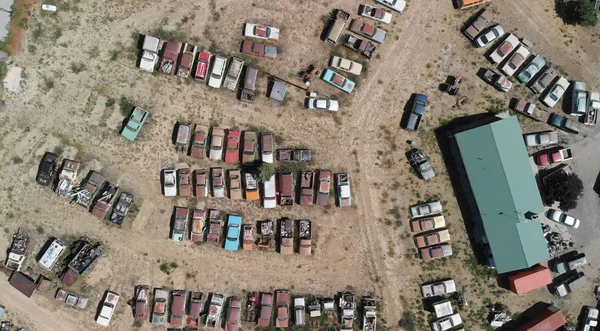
<point>346,65</point>
<point>516,60</point>
<point>591,319</point>
<point>108,308</point>
<point>269,193</point>
<point>541,138</point>
<point>556,92</point>
<point>426,209</point>
<point>261,32</point>
<point>490,35</point>
<point>323,104</point>
<point>397,5</point>
<point>446,323</point>
<point>169,182</point>
<point>374,13</point>
<point>562,218</point>
<point>49,7</point>
<point>504,49</point>
<point>218,70</point>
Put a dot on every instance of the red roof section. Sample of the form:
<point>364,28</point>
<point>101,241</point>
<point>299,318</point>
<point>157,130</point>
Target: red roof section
<point>549,320</point>
<point>530,280</point>
<point>22,283</point>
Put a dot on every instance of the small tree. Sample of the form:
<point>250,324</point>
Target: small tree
<point>564,188</point>
<point>577,12</point>
<point>265,172</point>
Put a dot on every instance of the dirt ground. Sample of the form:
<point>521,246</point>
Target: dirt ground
<point>78,63</point>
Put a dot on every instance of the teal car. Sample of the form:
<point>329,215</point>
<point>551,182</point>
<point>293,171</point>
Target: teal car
<point>531,69</point>
<point>232,240</point>
<point>338,81</point>
<point>134,123</point>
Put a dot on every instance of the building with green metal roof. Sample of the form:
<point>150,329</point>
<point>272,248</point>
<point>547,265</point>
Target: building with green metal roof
<point>505,192</point>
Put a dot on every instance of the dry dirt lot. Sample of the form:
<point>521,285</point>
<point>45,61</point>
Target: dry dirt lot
<point>78,63</point>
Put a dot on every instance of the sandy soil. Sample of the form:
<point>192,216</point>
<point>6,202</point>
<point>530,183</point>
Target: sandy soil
<point>78,60</point>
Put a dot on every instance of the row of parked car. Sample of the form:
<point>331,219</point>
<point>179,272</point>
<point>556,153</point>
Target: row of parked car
<point>515,56</point>
<point>431,235</point>
<point>446,318</point>
<point>179,309</point>
<point>311,190</point>
<point>94,193</point>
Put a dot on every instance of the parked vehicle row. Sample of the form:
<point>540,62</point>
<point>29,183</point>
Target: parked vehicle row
<point>94,192</point>
<point>431,236</point>
<point>237,146</point>
<point>182,309</point>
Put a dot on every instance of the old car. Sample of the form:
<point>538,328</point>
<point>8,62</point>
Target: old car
<point>591,116</point>
<point>338,81</point>
<point>203,65</point>
<point>121,208</point>
<point>324,187</point>
<point>323,104</point>
<point>261,31</point>
<point>374,13</point>
<point>305,236</point>
<point>589,320</point>
<point>265,310</point>
<point>479,24</point>
<point>149,55</point>
<point>218,183</point>
<point>432,238</point>
<point>504,49</point>
<point>426,209</point>
<point>286,236</point>
<point>541,138</point>
<point>346,65</point>
<point>307,187</point>
<point>235,184</point>
<point>544,80</point>
<point>198,226</point>
<point>344,193</point>
<point>196,306</point>
<point>105,200</point>
<point>562,218</point>
<point>282,301</point>
<point>134,123</point>
<point>170,55</point>
<point>579,102</point>
<point>555,92</point>
<point>360,46</point>
<point>516,60</point>
<point>109,305</point>
<point>435,252</point>
<point>368,30</point>
<point>446,323</point>
<point>489,35</point>
<point>269,193</point>
<point>180,220</point>
<point>547,158</point>
<point>267,147</point>
<point>259,49</point>
<point>186,60</point>
<point>285,189</point>
<point>232,152</point>
<point>234,311</point>
<point>183,136</point>
<point>564,123</point>
<point>249,148</point>
<point>201,183</point>
<point>47,169</point>
<point>427,224</point>
<point>397,5</point>
<point>417,111</point>
<point>169,182</point>
<point>531,69</point>
<point>251,187</point>
<point>438,288</point>
<point>160,306</point>
<point>184,182</point>
<point>570,262</point>
<point>178,300</point>
<point>142,298</point>
<point>198,148</point>
<point>216,144</point>
<point>218,71</point>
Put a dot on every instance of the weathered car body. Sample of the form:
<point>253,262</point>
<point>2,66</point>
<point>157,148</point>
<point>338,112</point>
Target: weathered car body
<point>216,144</point>
<point>282,301</point>
<point>285,190</point>
<point>203,66</point>
<point>184,182</point>
<point>438,288</point>
<point>338,81</point>
<point>160,306</point>
<point>196,306</point>
<point>543,80</point>
<point>510,43</point>
<point>149,56</point>
<point>267,147</point>
<point>374,13</point>
<point>105,200</point>
<point>261,31</point>
<point>169,182</point>
<point>259,49</point>
<point>427,224</point>
<point>248,237</point>
<point>368,30</point>
<point>265,310</point>
<point>235,184</point>
<point>232,153</point>
<point>198,148</point>
<point>134,123</point>
<point>479,24</point>
<point>344,193</point>
<point>251,187</point>
<point>180,219</point>
<point>121,208</point>
<point>186,62</point>
<point>417,110</point>
<point>286,236</point>
<point>531,69</point>
<point>305,237</point>
<point>201,183</point>
<point>178,300</point>
<point>432,238</point>
<point>214,226</point>
<point>198,225</point>
<point>324,187</point>
<point>360,46</point>
<point>214,310</point>
<point>109,305</point>
<point>249,148</point>
<point>307,187</point>
<point>66,177</point>
<point>435,252</point>
<point>270,193</point>
<point>426,209</point>
<point>218,183</point>
<point>346,65</point>
<point>47,169</point>
<point>234,311</point>
<point>516,60</point>
<point>169,57</point>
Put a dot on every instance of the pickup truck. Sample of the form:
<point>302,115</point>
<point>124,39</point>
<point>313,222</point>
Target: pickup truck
<point>233,74</point>
<point>561,155</point>
<point>564,123</point>
<point>249,89</point>
<point>305,245</point>
<point>109,305</point>
<point>187,60</point>
<point>149,56</point>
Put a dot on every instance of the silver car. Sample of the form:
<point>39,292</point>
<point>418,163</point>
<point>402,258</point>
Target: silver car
<point>426,209</point>
<point>541,138</point>
<point>490,35</point>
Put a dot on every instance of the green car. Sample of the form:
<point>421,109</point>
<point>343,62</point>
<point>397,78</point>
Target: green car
<point>134,124</point>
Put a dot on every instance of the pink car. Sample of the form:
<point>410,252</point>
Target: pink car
<point>232,153</point>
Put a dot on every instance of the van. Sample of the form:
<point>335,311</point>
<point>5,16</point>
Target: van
<point>52,254</point>
<point>269,194</point>
<point>336,27</point>
<point>216,76</point>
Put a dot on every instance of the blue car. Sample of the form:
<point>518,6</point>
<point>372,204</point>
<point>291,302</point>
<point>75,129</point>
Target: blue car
<point>234,226</point>
<point>418,108</point>
<point>338,81</point>
<point>531,69</point>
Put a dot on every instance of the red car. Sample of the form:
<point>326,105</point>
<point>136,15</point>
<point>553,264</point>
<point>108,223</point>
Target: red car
<point>265,310</point>
<point>324,187</point>
<point>202,66</point>
<point>232,153</point>
<point>282,300</point>
<point>198,149</point>
<point>233,314</point>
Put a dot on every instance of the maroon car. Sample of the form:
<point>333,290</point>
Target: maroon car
<point>307,187</point>
<point>233,314</point>
<point>196,305</point>
<point>282,300</point>
<point>198,149</point>
<point>177,308</point>
<point>142,295</point>
<point>266,309</point>
<point>169,58</point>
<point>324,187</point>
<point>436,252</point>
<point>259,49</point>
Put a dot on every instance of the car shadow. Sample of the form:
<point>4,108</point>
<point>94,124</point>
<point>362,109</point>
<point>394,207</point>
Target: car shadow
<point>406,111</point>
